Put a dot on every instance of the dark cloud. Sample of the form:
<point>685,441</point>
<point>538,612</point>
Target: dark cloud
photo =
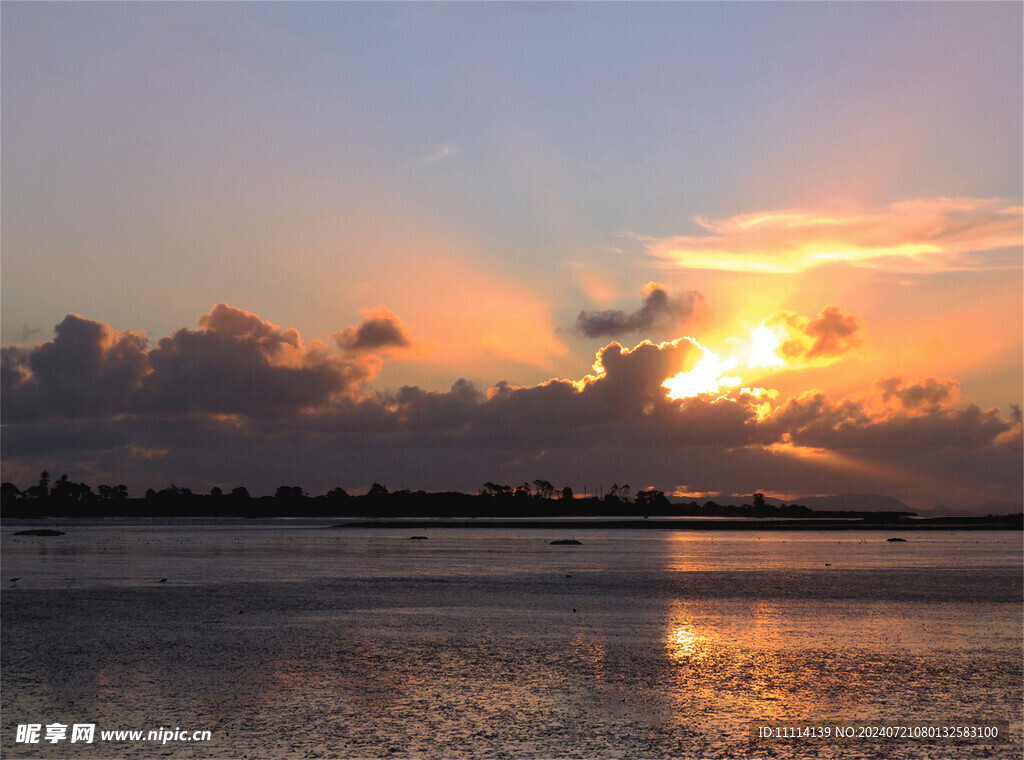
<point>418,410</point>
<point>87,370</point>
<point>241,401</point>
<point>623,403</point>
<point>380,329</point>
<point>240,364</point>
<point>815,421</point>
<point>658,310</point>
<point>930,395</point>
<point>236,363</point>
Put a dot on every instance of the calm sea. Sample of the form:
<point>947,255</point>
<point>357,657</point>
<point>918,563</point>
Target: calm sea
<point>290,639</point>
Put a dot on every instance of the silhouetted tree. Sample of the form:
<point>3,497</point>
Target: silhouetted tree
<point>337,493</point>
<point>567,494</point>
<point>150,493</point>
<point>496,489</point>
<point>377,490</point>
<point>42,489</point>
<point>67,490</point>
<point>215,492</point>
<point>758,500</point>
<point>240,493</point>
<point>9,491</point>
<point>172,492</point>
<point>289,492</point>
<point>62,488</point>
<point>544,489</point>
<point>113,493</point>
<point>651,497</point>
<point>617,493</point>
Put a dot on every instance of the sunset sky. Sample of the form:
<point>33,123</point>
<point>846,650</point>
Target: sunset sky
<point>423,244</point>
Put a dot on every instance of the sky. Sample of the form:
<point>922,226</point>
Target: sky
<point>709,248</point>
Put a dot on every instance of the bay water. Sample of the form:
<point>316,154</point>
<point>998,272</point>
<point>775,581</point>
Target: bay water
<point>294,639</point>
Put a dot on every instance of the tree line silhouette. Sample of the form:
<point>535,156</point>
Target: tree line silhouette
<point>540,498</point>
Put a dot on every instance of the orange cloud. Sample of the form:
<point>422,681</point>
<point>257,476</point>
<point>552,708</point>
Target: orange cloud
<point>685,492</point>
<point>826,337</point>
<point>922,235</point>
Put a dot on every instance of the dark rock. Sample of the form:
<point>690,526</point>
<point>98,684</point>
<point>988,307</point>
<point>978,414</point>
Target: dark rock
<point>895,540</point>
<point>40,532</point>
<point>564,542</point>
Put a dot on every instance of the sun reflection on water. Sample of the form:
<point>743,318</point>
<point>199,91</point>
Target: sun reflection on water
<point>682,644</point>
<point>592,651</point>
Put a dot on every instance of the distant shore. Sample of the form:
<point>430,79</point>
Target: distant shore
<point>1009,522</point>
<point>537,505</point>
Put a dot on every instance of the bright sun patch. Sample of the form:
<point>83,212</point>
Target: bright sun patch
<point>764,342</point>
<point>709,376</point>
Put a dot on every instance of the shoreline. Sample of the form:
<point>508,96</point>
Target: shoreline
<point>725,524</point>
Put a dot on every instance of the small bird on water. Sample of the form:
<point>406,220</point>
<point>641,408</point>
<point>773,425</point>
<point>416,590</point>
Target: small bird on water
<point>162,580</point>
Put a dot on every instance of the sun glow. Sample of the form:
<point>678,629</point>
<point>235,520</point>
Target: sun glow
<point>709,376</point>
<point>764,342</point>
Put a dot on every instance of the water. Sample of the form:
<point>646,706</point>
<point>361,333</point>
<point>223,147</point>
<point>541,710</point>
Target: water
<point>289,639</point>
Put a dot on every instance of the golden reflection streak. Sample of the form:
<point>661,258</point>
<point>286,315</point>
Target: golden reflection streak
<point>590,650</point>
<point>724,679</point>
<point>684,641</point>
<point>682,644</point>
<point>737,668</point>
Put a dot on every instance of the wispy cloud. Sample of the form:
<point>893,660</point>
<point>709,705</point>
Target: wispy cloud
<point>921,235</point>
<point>440,153</point>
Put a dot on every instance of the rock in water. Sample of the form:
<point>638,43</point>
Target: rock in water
<point>40,532</point>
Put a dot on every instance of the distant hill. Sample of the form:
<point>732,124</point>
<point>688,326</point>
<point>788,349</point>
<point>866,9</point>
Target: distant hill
<point>868,502</point>
<point>858,502</point>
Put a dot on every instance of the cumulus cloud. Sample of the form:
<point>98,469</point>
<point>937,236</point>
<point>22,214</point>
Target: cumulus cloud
<point>658,309</point>
<point>242,399</point>
<point>829,335</point>
<point>927,396</point>
<point>623,402</point>
<point>239,363</point>
<point>815,421</point>
<point>88,369</point>
<point>379,330</point>
<point>419,410</point>
<point>236,363</point>
<point>921,235</point>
